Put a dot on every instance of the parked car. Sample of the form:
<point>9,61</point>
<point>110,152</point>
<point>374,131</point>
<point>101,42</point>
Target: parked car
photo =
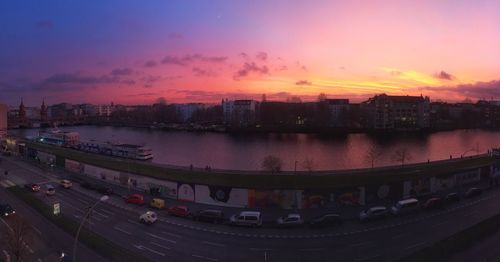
<point>290,220</point>
<point>6,210</point>
<point>405,206</point>
<point>148,218</point>
<point>32,187</point>
<point>137,199</point>
<point>104,190</point>
<point>179,211</point>
<point>88,185</point>
<point>474,191</point>
<point>157,203</point>
<point>246,218</point>
<point>210,216</point>
<point>50,190</point>
<point>326,220</point>
<point>452,197</point>
<point>66,183</point>
<point>432,203</point>
<point>373,213</point>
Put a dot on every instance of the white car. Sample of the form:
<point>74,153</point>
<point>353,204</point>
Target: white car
<point>148,218</point>
<point>290,220</point>
<point>246,218</point>
<point>373,213</point>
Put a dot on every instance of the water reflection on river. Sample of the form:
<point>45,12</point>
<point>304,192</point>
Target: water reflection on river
<point>246,151</point>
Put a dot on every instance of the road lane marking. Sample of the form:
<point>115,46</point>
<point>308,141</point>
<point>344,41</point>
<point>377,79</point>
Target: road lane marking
<point>362,244</point>
<point>159,245</point>
<point>134,222</point>
<point>107,212</point>
<point>213,244</point>
<point>415,245</point>
<point>205,258</point>
<point>367,258</point>
<point>311,249</point>
<point>122,230</point>
<point>260,249</point>
<point>438,224</point>
<point>37,231</point>
<point>161,238</point>
<point>149,249</point>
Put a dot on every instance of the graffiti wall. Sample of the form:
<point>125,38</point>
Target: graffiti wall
<point>417,187</point>
<point>390,191</point>
<point>73,166</point>
<point>442,183</point>
<point>274,198</point>
<point>101,173</point>
<point>332,198</point>
<point>46,158</point>
<point>221,196</point>
<point>468,177</point>
<point>186,192</point>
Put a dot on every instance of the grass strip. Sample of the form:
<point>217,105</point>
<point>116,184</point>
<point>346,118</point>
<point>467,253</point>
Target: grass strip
<point>96,242</point>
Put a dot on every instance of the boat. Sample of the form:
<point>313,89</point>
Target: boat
<point>123,150</point>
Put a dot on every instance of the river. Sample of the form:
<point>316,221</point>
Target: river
<point>246,151</point>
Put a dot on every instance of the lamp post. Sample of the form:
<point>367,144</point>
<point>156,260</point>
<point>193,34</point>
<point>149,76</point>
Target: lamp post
<point>102,199</point>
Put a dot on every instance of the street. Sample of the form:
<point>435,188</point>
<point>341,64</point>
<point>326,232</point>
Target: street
<point>177,239</point>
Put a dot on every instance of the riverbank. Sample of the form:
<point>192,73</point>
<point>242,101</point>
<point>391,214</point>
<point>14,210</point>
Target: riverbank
<point>283,180</point>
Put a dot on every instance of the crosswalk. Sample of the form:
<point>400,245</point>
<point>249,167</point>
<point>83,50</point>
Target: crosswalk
<point>6,183</point>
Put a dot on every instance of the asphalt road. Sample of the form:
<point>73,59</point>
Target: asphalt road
<point>176,239</point>
<point>45,241</point>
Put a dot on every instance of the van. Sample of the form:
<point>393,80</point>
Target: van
<point>157,203</point>
<point>66,183</point>
<point>405,206</point>
<point>247,218</point>
<point>50,190</point>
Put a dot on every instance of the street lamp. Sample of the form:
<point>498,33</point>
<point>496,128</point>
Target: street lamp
<point>102,199</point>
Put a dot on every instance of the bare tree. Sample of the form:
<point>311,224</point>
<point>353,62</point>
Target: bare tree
<point>322,97</point>
<point>308,164</point>
<point>272,164</point>
<point>402,155</point>
<point>373,155</point>
<point>16,237</point>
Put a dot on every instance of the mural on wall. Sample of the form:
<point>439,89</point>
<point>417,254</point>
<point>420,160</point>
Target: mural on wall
<point>334,197</point>
<point>274,198</point>
<point>390,191</point>
<point>442,183</point>
<point>468,177</point>
<point>186,192</point>
<point>73,166</point>
<point>163,188</point>
<point>221,196</point>
<point>45,158</point>
<point>417,187</point>
<point>101,173</point>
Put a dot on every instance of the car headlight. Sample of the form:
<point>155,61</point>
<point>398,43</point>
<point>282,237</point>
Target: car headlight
<point>13,212</point>
<point>6,214</point>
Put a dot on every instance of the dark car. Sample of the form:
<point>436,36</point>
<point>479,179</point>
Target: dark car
<point>326,220</point>
<point>104,190</point>
<point>474,191</point>
<point>87,185</point>
<point>6,210</point>
<point>210,215</point>
<point>433,203</point>
<point>452,197</point>
<point>32,187</point>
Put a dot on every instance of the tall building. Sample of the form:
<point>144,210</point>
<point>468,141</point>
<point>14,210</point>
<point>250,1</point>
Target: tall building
<point>186,111</point>
<point>396,112</point>
<point>21,115</point>
<point>339,112</point>
<point>3,120</point>
<point>239,113</point>
<point>43,113</point>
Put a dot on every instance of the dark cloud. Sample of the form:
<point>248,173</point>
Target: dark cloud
<point>244,55</point>
<point>144,94</point>
<point>262,56</point>
<point>303,83</point>
<point>187,59</point>
<point>478,90</point>
<point>175,35</point>
<point>203,72</point>
<point>172,60</point>
<point>150,63</point>
<point>67,81</point>
<point>122,71</point>
<point>44,24</point>
<point>250,68</point>
<point>149,81</point>
<point>282,68</point>
<point>444,75</point>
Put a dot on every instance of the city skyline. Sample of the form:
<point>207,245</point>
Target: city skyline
<point>134,53</point>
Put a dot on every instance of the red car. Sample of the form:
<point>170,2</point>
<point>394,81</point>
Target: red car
<point>32,187</point>
<point>179,211</point>
<point>135,199</point>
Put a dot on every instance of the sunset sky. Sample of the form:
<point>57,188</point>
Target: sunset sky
<point>134,52</point>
